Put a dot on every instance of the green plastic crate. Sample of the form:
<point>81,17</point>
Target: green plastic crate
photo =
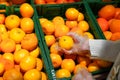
<point>50,11</point>
<point>15,10</point>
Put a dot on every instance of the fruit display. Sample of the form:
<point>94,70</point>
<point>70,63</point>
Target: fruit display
<point>55,28</point>
<point>108,20</point>
<point>21,57</point>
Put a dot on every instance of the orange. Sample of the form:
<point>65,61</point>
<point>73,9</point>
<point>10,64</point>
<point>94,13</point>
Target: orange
<point>50,39</point>
<point>115,26</point>
<point>29,42</point>
<point>5,3</point>
<point>83,25</point>
<point>80,16</point>
<point>62,73</point>
<point>54,48</point>
<point>16,34</point>
<point>41,20</point>
<point>7,45</point>
<point>107,12</point>
<point>2,68</point>
<point>39,1</point>
<point>2,18</point>
<point>12,74</point>
<point>93,67</point>
<point>78,67</point>
<point>71,24</point>
<point>39,64</point>
<point>12,21</point>
<point>2,28</point>
<point>72,14</point>
<point>58,20</point>
<point>103,23</point>
<point>48,27</point>
<point>35,52</point>
<point>32,74</point>
<point>107,34</point>
<point>89,35</point>
<point>115,36</point>
<point>103,63</point>
<point>9,56</point>
<point>77,30</point>
<point>83,60</point>
<point>61,30</point>
<point>1,78</point>
<point>27,63</point>
<point>44,76</point>
<point>26,10</point>
<point>64,41</point>
<point>27,25</point>
<point>20,54</point>
<point>8,64</point>
<point>56,60</point>
<point>68,64</point>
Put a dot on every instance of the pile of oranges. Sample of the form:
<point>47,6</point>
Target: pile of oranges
<point>109,21</point>
<point>55,32</point>
<point>20,54</point>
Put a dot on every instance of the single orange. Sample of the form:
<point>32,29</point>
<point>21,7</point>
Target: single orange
<point>8,56</point>
<point>12,74</point>
<point>26,10</point>
<point>48,27</point>
<point>89,35</point>
<point>68,64</point>
<point>107,12</point>
<point>72,14</point>
<point>2,68</point>
<point>83,25</point>
<point>115,36</point>
<point>117,13</point>
<point>93,67</point>
<point>27,63</point>
<point>115,26</point>
<point>50,39</point>
<point>71,24</point>
<point>56,60</point>
<point>80,16</point>
<point>103,23</point>
<point>12,21</point>
<point>62,73</point>
<point>7,45</point>
<point>27,25</point>
<point>64,41</point>
<point>32,74</point>
<point>61,30</point>
<point>17,34</point>
<point>29,42</point>
<point>58,20</point>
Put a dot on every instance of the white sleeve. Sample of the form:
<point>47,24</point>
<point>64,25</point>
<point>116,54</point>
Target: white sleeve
<point>104,49</point>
